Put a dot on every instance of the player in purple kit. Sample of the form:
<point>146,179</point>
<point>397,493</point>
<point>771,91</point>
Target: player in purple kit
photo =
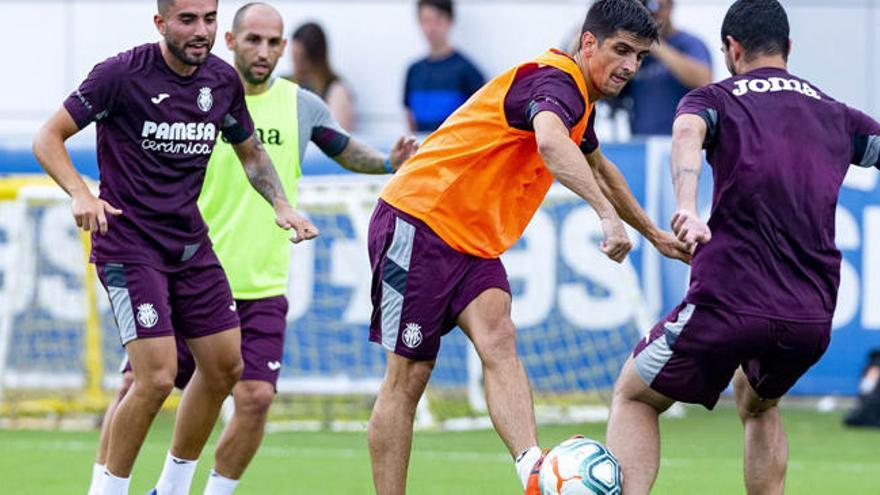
<point>158,109</point>
<point>464,198</point>
<point>290,118</point>
<point>766,269</point>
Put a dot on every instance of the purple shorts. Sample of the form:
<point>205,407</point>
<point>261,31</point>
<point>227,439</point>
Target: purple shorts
<point>691,355</point>
<point>192,301</point>
<point>263,324</point>
<point>420,284</point>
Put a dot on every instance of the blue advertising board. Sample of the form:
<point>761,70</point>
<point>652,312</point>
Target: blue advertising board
<point>578,313</point>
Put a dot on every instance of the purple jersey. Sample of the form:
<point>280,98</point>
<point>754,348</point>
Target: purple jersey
<point>779,150</point>
<point>155,132</point>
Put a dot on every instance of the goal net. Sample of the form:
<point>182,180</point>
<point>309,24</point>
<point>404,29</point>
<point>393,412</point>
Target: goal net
<point>578,314</point>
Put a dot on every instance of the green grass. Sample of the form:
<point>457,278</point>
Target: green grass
<point>700,454</point>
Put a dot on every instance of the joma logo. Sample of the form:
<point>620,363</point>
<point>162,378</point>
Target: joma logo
<point>773,85</point>
<point>267,136</point>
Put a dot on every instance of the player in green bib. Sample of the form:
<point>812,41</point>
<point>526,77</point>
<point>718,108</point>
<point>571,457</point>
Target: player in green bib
<point>256,258</point>
<point>230,219</point>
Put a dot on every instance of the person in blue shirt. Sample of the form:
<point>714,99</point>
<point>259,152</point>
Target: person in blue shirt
<point>439,83</point>
<point>679,63</point>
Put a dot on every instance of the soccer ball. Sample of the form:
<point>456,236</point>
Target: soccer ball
<point>580,466</point>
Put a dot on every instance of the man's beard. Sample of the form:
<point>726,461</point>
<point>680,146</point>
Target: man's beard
<point>254,80</point>
<point>246,70</point>
<point>728,60</point>
<point>180,53</point>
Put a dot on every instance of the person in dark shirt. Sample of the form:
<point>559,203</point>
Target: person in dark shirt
<point>256,255</point>
<point>439,83</point>
<point>158,109</point>
<point>766,269</point>
<point>678,63</point>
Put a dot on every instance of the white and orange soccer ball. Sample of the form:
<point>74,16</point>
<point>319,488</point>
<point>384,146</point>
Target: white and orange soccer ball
<point>580,466</point>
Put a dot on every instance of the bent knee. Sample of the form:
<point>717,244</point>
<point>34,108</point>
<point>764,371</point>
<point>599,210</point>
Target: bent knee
<point>226,372</point>
<point>646,397</point>
<point>230,366</point>
<point>748,402</point>
<point>235,369</point>
<point>155,386</point>
<point>253,397</point>
<point>125,386</point>
<point>418,376</point>
<point>497,341</point>
<point>631,388</point>
<point>408,378</point>
<point>757,407</point>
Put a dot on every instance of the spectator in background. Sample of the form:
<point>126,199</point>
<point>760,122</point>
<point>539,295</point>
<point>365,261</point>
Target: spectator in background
<point>439,83</point>
<point>867,409</point>
<point>311,70</point>
<point>678,63</point>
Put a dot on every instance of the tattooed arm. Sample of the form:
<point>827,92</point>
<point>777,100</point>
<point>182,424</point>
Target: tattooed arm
<point>264,179</point>
<point>688,134</point>
<point>260,171</point>
<point>363,159</point>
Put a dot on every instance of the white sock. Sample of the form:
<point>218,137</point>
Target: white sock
<point>219,484</point>
<point>525,462</point>
<point>97,477</point>
<point>176,477</point>
<point>114,485</point>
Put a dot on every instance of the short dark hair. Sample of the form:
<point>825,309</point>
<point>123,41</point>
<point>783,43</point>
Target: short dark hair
<point>607,17</point>
<point>760,26</point>
<point>444,6</point>
<point>163,5</point>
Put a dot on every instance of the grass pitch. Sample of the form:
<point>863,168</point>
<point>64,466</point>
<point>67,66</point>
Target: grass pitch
<point>701,453</point>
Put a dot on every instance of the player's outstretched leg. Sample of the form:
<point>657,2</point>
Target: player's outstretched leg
<point>633,434</point>
<point>766,447</point>
<point>242,435</point>
<point>218,367</point>
<point>391,422</point>
<point>104,438</point>
<point>154,364</point>
<point>486,321</point>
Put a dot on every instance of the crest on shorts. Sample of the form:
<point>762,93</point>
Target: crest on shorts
<point>205,99</point>
<point>412,335</point>
<point>147,315</point>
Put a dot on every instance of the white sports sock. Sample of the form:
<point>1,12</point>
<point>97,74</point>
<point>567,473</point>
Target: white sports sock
<point>97,477</point>
<point>114,485</point>
<point>219,484</point>
<point>525,462</point>
<point>176,476</point>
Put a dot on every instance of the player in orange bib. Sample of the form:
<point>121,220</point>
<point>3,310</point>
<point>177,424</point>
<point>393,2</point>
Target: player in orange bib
<point>465,198</point>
